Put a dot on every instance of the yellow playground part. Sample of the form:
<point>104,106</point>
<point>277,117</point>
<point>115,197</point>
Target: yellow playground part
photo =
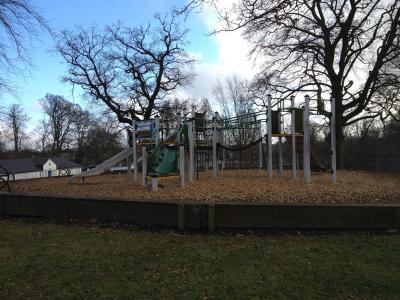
<point>285,134</point>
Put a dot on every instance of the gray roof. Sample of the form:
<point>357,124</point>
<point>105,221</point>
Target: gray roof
<point>63,163</point>
<point>19,165</point>
<point>25,165</point>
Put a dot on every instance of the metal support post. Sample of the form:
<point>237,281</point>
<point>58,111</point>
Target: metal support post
<point>182,167</point>
<point>333,138</point>
<point>157,125</point>
<point>260,154</point>
<point>144,165</point>
<point>293,132</point>
<point>280,159</point>
<point>306,142</point>
<point>134,152</point>
<point>154,184</point>
<point>269,130</point>
<point>214,148</point>
<point>191,151</point>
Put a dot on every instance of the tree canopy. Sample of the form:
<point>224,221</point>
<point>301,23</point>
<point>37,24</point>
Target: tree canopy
<point>130,70</point>
<point>346,48</point>
<point>19,22</point>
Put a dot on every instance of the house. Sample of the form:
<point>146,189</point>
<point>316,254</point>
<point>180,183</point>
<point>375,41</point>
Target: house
<point>28,168</point>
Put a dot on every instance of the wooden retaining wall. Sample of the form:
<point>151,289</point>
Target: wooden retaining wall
<point>204,216</point>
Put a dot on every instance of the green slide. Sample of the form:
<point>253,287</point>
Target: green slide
<point>163,160</point>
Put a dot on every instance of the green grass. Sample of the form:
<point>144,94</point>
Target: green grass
<point>57,261</point>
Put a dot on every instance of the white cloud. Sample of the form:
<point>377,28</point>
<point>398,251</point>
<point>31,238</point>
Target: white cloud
<point>232,58</point>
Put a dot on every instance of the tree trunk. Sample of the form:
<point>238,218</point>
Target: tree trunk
<point>339,144</point>
<point>16,148</point>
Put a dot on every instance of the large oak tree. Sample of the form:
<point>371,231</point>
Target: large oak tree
<point>342,47</point>
<point>130,70</point>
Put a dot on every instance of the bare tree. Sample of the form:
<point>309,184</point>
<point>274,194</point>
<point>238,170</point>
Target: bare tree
<point>205,107</point>
<point>81,126</point>
<point>103,140</point>
<point>340,47</point>
<point>130,70</point>
<point>2,146</point>
<point>42,132</point>
<point>60,114</point>
<point>15,119</point>
<point>19,21</point>
<point>235,100</point>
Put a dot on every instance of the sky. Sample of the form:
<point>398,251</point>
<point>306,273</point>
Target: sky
<point>219,56</point>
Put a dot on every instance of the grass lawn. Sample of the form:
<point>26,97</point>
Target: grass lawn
<point>45,260</point>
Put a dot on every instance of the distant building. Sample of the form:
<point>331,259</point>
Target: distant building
<point>28,168</point>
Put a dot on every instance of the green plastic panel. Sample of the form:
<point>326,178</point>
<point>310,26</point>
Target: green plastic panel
<point>163,160</point>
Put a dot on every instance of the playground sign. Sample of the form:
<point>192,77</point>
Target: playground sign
<point>146,131</point>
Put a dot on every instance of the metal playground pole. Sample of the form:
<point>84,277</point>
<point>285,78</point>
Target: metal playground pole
<point>333,139</point>
<point>306,142</point>
<point>293,132</point>
<point>135,163</point>
<point>269,137</point>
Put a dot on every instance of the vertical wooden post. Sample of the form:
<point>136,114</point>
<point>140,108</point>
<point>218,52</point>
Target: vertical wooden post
<point>191,151</point>
<point>178,134</point>
<point>306,142</point>
<point>182,167</point>
<point>221,141</point>
<point>260,154</point>
<point>269,130</point>
<point>154,184</point>
<point>183,123</point>
<point>194,136</point>
<point>144,165</point>
<point>129,159</point>
<point>293,132</point>
<point>280,159</point>
<point>178,128</point>
<point>214,148</point>
<point>157,125</point>
<point>223,159</point>
<point>134,152</point>
<point>333,138</point>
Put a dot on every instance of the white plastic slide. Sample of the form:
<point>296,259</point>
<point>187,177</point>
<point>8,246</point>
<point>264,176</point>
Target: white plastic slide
<point>106,165</point>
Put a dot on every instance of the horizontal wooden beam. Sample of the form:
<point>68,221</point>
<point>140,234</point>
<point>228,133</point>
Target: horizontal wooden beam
<point>204,216</point>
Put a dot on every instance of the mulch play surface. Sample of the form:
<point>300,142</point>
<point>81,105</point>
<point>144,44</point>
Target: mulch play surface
<point>240,186</point>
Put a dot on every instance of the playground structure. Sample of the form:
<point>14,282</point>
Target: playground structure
<point>194,143</point>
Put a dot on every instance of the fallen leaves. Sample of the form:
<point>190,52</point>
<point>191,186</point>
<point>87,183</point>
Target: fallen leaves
<point>231,186</point>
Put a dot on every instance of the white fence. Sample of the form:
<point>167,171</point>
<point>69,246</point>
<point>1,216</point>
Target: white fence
<point>44,174</point>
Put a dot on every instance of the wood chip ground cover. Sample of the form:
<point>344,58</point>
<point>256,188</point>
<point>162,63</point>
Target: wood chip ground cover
<point>237,186</point>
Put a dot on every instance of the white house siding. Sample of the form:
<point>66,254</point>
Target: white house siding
<point>28,175</point>
<point>49,165</point>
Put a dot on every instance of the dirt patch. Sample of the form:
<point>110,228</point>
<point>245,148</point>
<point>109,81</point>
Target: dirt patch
<point>243,186</point>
